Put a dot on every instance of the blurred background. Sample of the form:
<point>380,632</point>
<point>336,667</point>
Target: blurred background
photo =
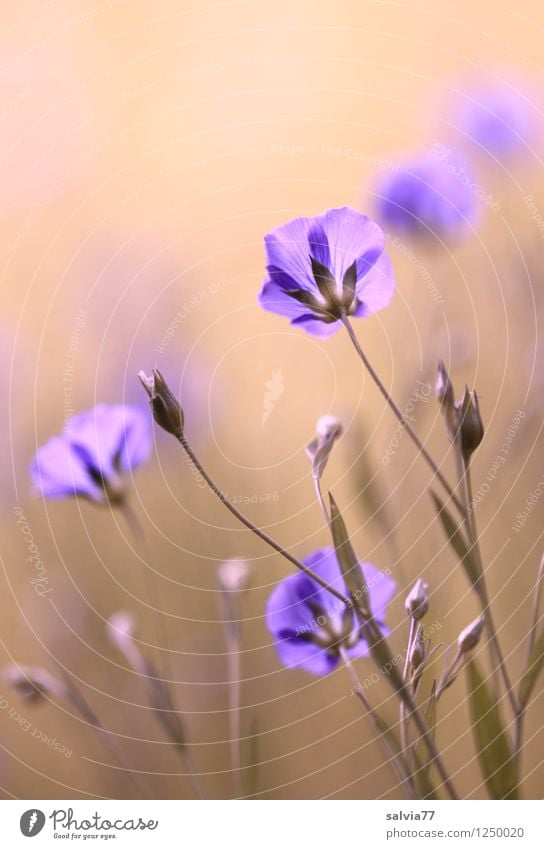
<point>146,150</point>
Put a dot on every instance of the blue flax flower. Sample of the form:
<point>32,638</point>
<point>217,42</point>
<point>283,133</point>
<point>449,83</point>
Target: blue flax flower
<point>429,195</point>
<point>323,267</point>
<point>498,118</point>
<point>90,458</point>
<point>309,624</point>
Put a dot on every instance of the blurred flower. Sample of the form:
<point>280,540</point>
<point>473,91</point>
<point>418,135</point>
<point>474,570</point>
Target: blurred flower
<point>320,267</point>
<point>496,117</point>
<point>428,195</point>
<point>93,453</point>
<point>309,624</point>
<point>33,683</point>
<point>233,575</point>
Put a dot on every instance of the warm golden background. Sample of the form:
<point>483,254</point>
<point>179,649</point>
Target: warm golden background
<point>146,149</point>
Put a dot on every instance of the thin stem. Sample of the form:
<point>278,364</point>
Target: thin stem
<point>232,639</point>
<point>469,518</point>
<point>393,757</point>
<point>520,717</point>
<point>536,609</point>
<point>141,543</point>
<point>398,413</point>
<point>191,774</point>
<point>399,686</point>
<point>252,527</point>
<point>482,591</point>
<point>403,720</point>
<point>80,703</point>
<point>378,646</point>
<point>143,667</point>
<point>321,500</point>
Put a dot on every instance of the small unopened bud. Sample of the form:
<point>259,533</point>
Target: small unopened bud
<point>167,410</point>
<point>328,430</point>
<point>121,627</point>
<point>33,683</point>
<point>417,601</point>
<point>470,636</point>
<point>471,425</point>
<point>417,649</point>
<point>233,575</point>
<point>445,394</point>
<point>444,386</point>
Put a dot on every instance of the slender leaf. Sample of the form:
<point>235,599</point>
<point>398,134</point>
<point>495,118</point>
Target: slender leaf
<point>534,668</point>
<point>347,560</point>
<point>492,743</point>
<point>457,541</point>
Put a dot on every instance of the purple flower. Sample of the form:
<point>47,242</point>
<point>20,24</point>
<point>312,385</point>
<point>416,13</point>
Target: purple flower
<point>320,268</point>
<point>498,118</point>
<point>89,459</point>
<point>431,194</point>
<point>309,624</point>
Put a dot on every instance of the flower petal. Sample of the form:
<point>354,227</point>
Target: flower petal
<point>114,437</point>
<point>287,249</point>
<point>376,288</point>
<point>57,472</point>
<point>381,589</point>
<point>351,237</point>
<point>315,327</point>
<point>296,653</point>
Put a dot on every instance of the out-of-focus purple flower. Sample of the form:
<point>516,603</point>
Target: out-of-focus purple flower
<point>309,624</point>
<point>429,195</point>
<point>496,117</point>
<point>321,267</point>
<point>96,449</point>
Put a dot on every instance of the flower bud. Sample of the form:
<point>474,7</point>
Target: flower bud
<point>120,627</point>
<point>417,649</point>
<point>328,430</point>
<point>471,425</point>
<point>417,601</point>
<point>443,386</point>
<point>33,683</point>
<point>233,575</point>
<point>167,410</point>
<point>470,636</point>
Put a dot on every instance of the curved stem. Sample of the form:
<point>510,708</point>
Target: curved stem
<point>398,413</point>
<point>321,501</point>
<point>252,527</point>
